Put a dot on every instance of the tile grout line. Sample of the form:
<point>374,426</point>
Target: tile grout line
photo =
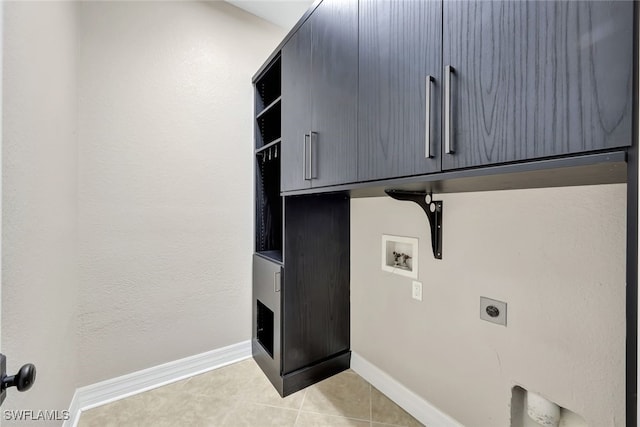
<point>324,414</point>
<point>304,396</point>
<point>284,408</point>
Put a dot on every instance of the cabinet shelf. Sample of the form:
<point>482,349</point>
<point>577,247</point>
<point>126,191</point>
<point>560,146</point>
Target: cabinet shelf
<point>267,146</point>
<point>275,256</point>
<point>274,104</point>
<point>268,126</point>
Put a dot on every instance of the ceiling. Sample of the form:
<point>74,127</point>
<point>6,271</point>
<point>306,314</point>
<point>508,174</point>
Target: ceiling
<point>284,13</point>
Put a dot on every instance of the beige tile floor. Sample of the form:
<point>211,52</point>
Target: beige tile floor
<point>240,395</point>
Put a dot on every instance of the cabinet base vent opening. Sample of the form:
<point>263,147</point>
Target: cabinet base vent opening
<point>529,409</point>
<point>265,327</point>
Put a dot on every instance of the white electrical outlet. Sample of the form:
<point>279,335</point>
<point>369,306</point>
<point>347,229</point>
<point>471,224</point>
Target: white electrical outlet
<point>416,290</point>
<point>493,311</point>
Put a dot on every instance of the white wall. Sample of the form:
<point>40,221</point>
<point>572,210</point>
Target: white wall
<point>165,103</point>
<point>556,256</point>
<point>39,183</point>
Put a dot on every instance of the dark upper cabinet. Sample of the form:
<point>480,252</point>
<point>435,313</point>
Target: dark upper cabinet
<point>400,46</point>
<point>296,109</point>
<point>319,98</point>
<point>535,79</point>
<point>334,97</point>
<point>509,81</point>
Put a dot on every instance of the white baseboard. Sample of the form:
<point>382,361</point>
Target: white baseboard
<point>419,408</point>
<point>137,382</point>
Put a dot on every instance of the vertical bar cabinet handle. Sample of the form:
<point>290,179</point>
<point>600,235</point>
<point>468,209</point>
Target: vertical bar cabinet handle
<point>427,118</point>
<point>311,170</point>
<point>304,157</point>
<point>448,129</point>
<point>276,281</point>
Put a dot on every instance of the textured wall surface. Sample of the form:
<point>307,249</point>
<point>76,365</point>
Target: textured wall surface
<point>39,280</point>
<point>556,256</point>
<point>165,181</point>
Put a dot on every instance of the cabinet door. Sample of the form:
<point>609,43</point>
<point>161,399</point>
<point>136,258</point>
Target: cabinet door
<point>334,91</point>
<point>296,109</point>
<point>400,44</point>
<point>533,79</point>
<point>315,291</point>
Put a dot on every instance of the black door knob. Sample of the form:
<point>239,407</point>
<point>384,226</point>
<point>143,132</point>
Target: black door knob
<point>23,380</point>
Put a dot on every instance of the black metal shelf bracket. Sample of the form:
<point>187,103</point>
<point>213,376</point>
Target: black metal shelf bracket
<point>433,209</point>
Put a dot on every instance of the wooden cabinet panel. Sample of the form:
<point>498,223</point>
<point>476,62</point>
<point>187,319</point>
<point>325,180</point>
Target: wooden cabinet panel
<point>319,98</point>
<point>400,44</point>
<point>315,290</point>
<point>334,92</point>
<point>534,79</point>
<point>296,108</point>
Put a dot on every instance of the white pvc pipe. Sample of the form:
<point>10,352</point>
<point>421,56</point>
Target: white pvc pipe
<point>541,410</point>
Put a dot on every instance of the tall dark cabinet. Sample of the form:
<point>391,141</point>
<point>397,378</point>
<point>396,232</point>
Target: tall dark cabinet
<point>319,88</point>
<point>301,262</point>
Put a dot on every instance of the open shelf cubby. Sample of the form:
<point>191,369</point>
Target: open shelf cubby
<point>268,126</point>
<point>267,104</point>
<point>268,206</point>
<point>268,86</point>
